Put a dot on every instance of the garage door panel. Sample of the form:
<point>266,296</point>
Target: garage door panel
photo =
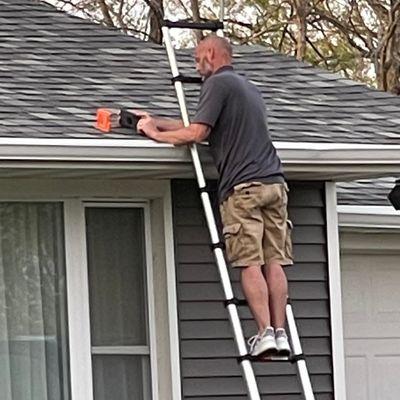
<point>379,347</point>
<point>387,308</point>
<point>355,288</point>
<point>357,368</point>
<point>386,371</point>
<point>371,317</point>
<point>372,330</point>
<point>371,296</point>
<point>372,369</point>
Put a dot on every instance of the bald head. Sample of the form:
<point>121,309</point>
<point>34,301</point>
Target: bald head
<point>212,53</point>
<point>219,44</point>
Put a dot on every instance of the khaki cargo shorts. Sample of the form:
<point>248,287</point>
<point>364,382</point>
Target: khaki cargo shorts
<point>256,227</point>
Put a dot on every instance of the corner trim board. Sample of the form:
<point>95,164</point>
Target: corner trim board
<point>335,293</point>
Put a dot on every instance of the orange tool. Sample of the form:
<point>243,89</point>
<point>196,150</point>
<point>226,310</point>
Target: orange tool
<point>107,118</point>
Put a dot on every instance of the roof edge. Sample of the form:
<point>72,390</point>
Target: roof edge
<point>302,160</point>
<point>368,217</point>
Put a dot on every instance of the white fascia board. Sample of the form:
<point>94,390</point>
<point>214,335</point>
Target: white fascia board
<point>333,146</point>
<point>148,150</point>
<point>382,217</point>
<point>334,161</point>
<point>103,150</point>
<point>338,153</point>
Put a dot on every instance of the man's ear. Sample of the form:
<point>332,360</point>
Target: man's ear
<point>211,53</point>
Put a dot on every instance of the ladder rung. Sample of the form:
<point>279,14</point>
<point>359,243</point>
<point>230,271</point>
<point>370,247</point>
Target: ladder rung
<point>236,302</point>
<point>265,359</point>
<point>208,25</point>
<point>219,245</point>
<point>187,79</point>
<point>271,359</point>
<point>292,358</point>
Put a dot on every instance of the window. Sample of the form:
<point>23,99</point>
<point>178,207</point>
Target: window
<point>33,322</point>
<point>59,339</point>
<point>120,337</point>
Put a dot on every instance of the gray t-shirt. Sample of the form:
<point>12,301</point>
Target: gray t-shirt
<point>240,144</point>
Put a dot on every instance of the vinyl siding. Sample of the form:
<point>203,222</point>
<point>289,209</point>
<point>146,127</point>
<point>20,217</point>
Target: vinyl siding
<point>208,365</point>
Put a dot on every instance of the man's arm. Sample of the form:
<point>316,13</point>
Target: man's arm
<point>168,124</point>
<point>162,123</point>
<point>194,133</point>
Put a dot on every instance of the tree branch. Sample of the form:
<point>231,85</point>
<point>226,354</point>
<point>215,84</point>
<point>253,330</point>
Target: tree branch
<point>106,13</point>
<point>320,15</point>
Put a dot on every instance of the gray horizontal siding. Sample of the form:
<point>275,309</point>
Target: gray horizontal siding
<point>208,365</point>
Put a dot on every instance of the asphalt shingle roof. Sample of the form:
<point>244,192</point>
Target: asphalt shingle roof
<point>366,192</point>
<point>56,70</point>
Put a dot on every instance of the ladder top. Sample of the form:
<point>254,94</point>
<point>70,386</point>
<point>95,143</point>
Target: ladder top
<point>208,25</point>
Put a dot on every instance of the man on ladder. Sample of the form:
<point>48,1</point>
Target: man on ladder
<point>251,188</point>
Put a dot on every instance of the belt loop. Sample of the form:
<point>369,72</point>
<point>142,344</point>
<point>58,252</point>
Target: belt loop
<point>286,186</point>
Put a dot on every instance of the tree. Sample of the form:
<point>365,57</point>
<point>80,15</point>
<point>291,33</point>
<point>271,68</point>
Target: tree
<point>358,38</point>
<point>141,18</point>
<point>156,16</point>
<point>371,29</point>
<point>138,17</point>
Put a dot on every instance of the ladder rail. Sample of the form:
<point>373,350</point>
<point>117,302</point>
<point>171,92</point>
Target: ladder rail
<point>297,350</point>
<point>247,368</point>
<point>221,10</point>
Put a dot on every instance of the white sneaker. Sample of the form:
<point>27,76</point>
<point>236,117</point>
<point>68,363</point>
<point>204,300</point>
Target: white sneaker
<point>263,343</point>
<point>282,343</point>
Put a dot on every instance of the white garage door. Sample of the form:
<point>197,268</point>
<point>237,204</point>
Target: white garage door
<point>371,304</point>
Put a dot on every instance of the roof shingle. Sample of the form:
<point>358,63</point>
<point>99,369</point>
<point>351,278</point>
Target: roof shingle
<point>56,70</point>
<point>366,192</point>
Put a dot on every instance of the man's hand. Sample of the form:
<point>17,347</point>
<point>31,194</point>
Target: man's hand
<point>148,126</point>
<point>167,130</point>
<point>141,113</point>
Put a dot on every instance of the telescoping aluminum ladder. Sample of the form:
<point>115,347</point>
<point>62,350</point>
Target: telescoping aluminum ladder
<point>231,302</point>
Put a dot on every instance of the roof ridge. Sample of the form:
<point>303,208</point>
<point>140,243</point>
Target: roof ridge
<point>29,4</point>
<point>252,48</point>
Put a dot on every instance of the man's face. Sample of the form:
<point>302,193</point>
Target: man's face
<point>203,65</point>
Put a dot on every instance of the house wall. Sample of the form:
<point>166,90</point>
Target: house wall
<point>208,366</point>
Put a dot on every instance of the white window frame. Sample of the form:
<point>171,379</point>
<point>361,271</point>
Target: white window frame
<point>150,311</point>
<point>78,301</point>
<point>78,306</point>
<point>72,193</point>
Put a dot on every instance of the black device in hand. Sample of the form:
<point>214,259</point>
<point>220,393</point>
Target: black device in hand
<point>128,119</point>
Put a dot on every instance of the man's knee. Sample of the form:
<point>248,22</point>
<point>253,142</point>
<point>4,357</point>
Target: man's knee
<point>251,271</point>
<point>274,271</point>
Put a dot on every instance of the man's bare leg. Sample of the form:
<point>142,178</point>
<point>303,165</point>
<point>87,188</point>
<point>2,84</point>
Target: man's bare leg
<point>278,292</point>
<point>255,290</point>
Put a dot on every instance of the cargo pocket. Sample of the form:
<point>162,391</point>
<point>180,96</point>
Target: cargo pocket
<point>288,240</point>
<point>231,235</point>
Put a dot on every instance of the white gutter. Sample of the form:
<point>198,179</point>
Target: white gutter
<point>322,161</point>
<point>339,153</point>
<point>368,217</point>
<point>340,146</point>
<point>140,150</point>
<point>148,150</point>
